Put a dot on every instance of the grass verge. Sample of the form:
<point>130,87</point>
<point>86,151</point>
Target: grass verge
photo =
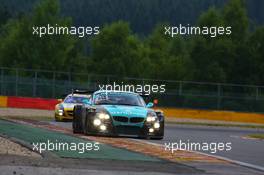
<point>256,136</point>
<point>218,125</point>
<point>40,118</point>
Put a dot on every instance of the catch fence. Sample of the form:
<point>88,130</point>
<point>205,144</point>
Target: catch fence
<point>183,94</point>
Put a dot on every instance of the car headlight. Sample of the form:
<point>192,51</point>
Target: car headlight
<point>151,117</point>
<point>60,110</point>
<point>103,116</point>
<point>156,125</point>
<point>97,122</point>
<point>151,130</point>
<point>103,127</point>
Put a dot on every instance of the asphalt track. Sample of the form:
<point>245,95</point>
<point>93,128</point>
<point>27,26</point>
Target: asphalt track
<point>243,149</point>
<point>110,160</point>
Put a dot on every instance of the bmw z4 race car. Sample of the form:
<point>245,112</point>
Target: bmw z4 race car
<point>115,113</point>
<point>64,110</point>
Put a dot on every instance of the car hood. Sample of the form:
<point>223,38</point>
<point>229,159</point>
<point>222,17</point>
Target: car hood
<point>68,106</point>
<point>128,111</point>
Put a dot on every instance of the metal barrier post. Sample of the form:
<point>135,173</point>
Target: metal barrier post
<point>34,84</point>
<point>2,81</point>
<point>69,79</point>
<point>180,88</point>
<point>257,92</point>
<point>219,96</point>
<point>53,84</point>
<point>16,86</point>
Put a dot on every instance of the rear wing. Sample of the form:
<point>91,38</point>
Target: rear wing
<point>77,91</point>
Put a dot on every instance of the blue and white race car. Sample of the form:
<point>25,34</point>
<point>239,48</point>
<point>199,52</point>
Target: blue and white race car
<point>118,113</point>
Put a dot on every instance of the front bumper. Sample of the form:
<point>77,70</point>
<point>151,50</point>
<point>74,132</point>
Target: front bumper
<point>114,128</point>
<point>67,114</point>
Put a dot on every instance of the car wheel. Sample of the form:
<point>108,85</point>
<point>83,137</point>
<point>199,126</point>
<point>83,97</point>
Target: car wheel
<point>77,119</point>
<point>157,138</point>
<point>85,126</point>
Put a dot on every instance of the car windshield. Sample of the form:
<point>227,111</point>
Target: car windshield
<point>74,99</point>
<point>118,98</point>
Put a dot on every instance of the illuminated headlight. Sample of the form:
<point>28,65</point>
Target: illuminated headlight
<point>151,130</point>
<point>103,116</point>
<point>151,118</point>
<point>103,127</point>
<point>156,125</point>
<point>97,122</point>
<point>60,111</point>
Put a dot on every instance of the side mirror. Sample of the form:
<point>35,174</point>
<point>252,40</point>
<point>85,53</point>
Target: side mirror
<point>150,105</point>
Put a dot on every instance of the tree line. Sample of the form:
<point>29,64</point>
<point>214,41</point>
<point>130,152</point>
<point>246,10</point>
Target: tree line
<point>119,50</point>
<point>142,15</point>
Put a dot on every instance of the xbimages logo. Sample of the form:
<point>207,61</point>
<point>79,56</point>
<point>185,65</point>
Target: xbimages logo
<point>145,89</point>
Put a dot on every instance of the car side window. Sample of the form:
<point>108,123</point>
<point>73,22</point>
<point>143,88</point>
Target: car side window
<point>86,101</point>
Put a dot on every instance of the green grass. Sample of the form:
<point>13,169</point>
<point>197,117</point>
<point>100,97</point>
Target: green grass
<point>31,134</point>
<point>39,118</point>
<point>256,136</point>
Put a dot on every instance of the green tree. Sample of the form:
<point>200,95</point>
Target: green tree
<point>235,15</point>
<point>4,16</point>
<point>169,56</point>
<point>256,48</point>
<point>158,46</point>
<point>179,64</point>
<point>210,54</point>
<point>221,59</point>
<point>207,67</point>
<point>117,51</point>
<point>20,48</point>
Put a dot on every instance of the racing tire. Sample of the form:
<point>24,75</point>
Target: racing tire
<point>157,138</point>
<point>85,126</point>
<point>77,126</point>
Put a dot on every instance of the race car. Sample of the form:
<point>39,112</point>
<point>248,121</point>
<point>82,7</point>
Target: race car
<point>118,113</point>
<point>64,110</point>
